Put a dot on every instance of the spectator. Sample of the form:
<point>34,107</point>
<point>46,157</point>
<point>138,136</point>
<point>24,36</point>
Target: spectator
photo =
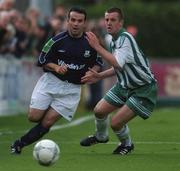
<point>21,37</point>
<point>41,34</point>
<point>56,25</point>
<point>7,32</point>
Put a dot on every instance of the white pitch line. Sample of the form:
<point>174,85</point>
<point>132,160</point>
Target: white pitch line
<point>83,120</point>
<point>135,142</point>
<point>57,127</point>
<point>151,142</point>
<point>74,123</point>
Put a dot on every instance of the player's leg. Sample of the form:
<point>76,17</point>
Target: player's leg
<point>39,105</point>
<point>64,101</point>
<point>120,128</point>
<point>35,115</point>
<point>108,104</point>
<point>142,103</point>
<point>101,111</point>
<point>37,132</point>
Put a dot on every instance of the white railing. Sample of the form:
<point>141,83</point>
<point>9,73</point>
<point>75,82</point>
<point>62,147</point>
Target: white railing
<point>17,80</point>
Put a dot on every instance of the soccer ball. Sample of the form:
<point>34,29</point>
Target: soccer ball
<point>46,152</point>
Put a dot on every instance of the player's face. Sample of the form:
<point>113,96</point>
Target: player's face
<point>113,23</point>
<point>76,24</point>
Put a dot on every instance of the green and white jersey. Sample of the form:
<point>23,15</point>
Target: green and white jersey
<point>135,66</point>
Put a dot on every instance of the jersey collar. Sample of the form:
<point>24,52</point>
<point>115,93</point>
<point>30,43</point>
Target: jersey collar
<point>119,33</point>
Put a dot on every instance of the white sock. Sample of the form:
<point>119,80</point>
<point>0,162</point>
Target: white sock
<point>102,128</point>
<point>123,136</point>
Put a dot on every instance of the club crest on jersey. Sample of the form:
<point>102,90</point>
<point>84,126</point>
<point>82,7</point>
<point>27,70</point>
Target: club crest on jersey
<point>87,54</point>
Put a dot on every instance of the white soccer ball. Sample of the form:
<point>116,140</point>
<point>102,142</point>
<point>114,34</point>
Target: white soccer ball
<point>46,152</point>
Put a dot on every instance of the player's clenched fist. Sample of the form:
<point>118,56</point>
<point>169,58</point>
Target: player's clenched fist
<point>61,69</point>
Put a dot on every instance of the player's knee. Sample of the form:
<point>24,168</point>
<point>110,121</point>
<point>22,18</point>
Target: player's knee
<point>98,112</point>
<point>32,118</point>
<point>116,125</point>
<point>35,115</point>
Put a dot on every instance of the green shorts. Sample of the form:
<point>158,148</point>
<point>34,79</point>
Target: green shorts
<point>141,100</point>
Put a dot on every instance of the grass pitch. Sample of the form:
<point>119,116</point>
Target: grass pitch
<point>157,145</point>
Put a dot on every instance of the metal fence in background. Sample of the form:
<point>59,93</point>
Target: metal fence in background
<point>17,80</point>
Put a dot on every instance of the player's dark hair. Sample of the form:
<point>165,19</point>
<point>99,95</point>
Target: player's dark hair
<point>118,10</point>
<point>78,10</point>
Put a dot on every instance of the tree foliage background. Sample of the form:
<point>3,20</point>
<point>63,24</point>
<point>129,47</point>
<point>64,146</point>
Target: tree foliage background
<point>157,21</point>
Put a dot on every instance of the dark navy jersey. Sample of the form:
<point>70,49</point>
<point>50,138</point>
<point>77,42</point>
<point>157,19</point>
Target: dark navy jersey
<point>76,53</point>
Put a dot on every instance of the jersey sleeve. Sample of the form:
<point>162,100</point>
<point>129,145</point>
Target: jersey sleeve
<point>123,53</point>
<point>47,53</point>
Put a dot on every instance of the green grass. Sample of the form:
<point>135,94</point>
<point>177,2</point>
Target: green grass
<point>157,145</point>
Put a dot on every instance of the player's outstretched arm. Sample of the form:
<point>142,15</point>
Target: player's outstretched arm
<point>93,76</point>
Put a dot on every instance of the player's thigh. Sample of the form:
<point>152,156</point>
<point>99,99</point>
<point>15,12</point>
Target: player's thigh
<point>66,102</point>
<point>50,117</point>
<point>38,107</point>
<point>40,99</point>
<point>103,108</point>
<point>121,117</point>
<point>143,100</point>
<point>35,115</point>
<point>111,101</point>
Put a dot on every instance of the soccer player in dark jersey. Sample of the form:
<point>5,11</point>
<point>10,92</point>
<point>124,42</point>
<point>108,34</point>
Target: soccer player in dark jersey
<point>65,58</point>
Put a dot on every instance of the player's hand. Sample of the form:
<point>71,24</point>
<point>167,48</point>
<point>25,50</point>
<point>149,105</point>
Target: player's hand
<point>61,69</point>
<point>92,39</point>
<point>90,77</point>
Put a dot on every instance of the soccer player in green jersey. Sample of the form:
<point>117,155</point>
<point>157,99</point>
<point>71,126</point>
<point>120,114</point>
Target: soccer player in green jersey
<point>135,92</point>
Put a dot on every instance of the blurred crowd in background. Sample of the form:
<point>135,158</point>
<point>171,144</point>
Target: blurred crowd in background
<point>25,33</point>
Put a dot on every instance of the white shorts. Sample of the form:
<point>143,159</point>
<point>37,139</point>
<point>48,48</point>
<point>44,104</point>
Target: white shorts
<point>62,96</point>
